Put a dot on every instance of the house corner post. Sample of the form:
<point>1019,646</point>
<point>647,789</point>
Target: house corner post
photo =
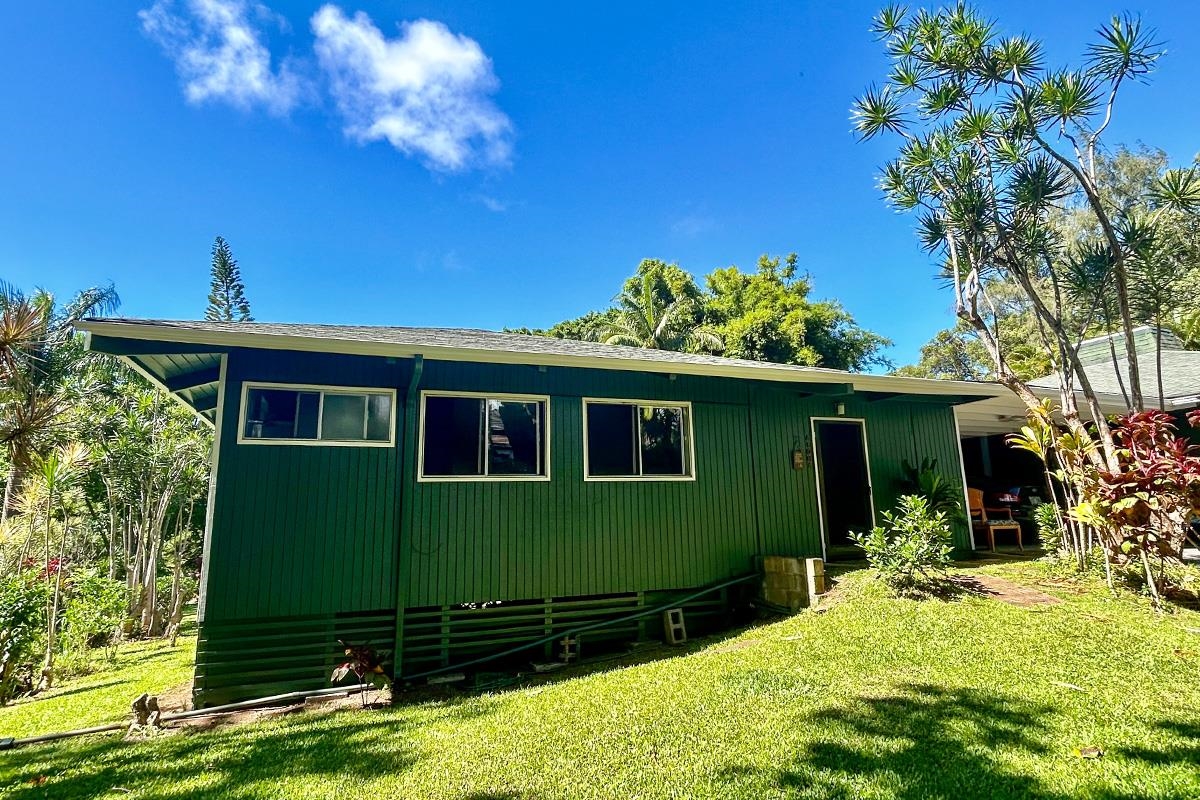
<point>408,477</point>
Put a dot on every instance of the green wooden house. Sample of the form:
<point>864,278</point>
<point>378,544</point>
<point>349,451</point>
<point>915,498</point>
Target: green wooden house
<point>446,493</point>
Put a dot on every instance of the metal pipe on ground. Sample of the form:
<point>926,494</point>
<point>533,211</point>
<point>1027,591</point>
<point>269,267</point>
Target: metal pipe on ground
<point>215,711</point>
<point>584,628</point>
<point>277,699</point>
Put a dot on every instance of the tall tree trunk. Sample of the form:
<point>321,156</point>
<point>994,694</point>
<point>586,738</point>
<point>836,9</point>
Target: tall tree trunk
<point>47,679</point>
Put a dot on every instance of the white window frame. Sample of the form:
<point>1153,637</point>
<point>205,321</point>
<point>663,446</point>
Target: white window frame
<point>544,442</point>
<point>322,390</point>
<point>689,452</point>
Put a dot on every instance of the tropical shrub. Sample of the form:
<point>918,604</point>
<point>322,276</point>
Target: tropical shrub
<point>1049,528</point>
<point>944,495</point>
<point>912,550</point>
<point>366,664</point>
<point>94,613</point>
<point>1144,506</point>
<point>22,618</point>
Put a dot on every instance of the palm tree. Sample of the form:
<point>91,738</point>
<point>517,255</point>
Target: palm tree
<point>40,359</point>
<point>642,319</point>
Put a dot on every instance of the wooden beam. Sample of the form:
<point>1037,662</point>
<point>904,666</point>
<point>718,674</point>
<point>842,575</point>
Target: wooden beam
<point>205,403</point>
<point>190,380</point>
<point>827,390</point>
<point>935,399</point>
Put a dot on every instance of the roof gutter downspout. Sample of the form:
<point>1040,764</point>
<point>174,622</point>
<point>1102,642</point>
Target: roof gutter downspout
<point>408,477</point>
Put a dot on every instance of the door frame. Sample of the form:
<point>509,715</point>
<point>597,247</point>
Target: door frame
<point>862,427</point>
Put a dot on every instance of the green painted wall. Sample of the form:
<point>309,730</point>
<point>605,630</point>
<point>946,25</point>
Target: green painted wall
<point>302,530</point>
<point>308,538</point>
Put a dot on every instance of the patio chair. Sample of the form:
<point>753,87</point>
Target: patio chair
<point>991,519</point>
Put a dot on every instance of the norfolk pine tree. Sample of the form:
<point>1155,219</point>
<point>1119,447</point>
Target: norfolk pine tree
<point>227,298</point>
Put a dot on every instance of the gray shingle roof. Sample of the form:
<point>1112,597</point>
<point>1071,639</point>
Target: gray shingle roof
<point>473,344</point>
<point>1180,369</point>
<point>459,338</point>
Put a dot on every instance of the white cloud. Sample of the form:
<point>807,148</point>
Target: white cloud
<point>491,203</point>
<point>690,226</point>
<point>218,49</point>
<point>427,91</point>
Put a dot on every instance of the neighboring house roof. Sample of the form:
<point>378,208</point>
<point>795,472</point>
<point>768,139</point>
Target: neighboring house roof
<point>1180,369</point>
<point>466,344</point>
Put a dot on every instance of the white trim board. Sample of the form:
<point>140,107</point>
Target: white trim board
<point>862,424</point>
<point>962,474</point>
<point>323,390</point>
<point>688,433</point>
<point>620,359</point>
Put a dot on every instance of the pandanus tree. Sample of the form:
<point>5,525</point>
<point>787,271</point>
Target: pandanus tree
<point>993,147</point>
<point>41,363</point>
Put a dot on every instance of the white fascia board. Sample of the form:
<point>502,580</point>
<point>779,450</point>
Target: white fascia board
<point>775,373</point>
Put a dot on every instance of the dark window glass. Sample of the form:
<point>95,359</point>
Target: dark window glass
<point>379,417</point>
<point>344,417</point>
<point>662,441</point>
<point>612,439</point>
<point>453,436</point>
<point>281,414</point>
<point>514,433</point>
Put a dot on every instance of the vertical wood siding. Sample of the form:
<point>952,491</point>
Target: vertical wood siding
<point>302,530</point>
<point>477,541</point>
<point>316,530</point>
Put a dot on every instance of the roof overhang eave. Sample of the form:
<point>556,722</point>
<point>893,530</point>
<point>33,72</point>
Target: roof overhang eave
<point>774,373</point>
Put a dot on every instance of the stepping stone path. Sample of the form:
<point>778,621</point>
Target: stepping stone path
<point>1005,591</point>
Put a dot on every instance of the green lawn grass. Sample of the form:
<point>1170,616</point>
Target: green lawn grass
<point>104,696</point>
<point>873,698</point>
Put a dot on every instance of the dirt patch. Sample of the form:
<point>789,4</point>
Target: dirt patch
<point>175,699</point>
<point>729,648</point>
<point>1005,591</point>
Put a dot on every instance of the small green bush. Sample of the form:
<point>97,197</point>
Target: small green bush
<point>1049,528</point>
<point>912,550</point>
<point>22,618</point>
<point>94,610</point>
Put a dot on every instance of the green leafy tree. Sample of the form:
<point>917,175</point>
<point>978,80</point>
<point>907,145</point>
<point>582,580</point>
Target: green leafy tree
<point>227,297</point>
<point>584,329</point>
<point>766,315</point>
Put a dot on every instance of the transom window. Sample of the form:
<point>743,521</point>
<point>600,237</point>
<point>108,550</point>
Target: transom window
<point>328,415</point>
<point>637,440</point>
<point>484,437</point>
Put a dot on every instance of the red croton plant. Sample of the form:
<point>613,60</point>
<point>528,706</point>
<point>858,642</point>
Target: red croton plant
<point>1147,504</point>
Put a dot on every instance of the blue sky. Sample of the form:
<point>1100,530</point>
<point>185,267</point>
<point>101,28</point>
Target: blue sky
<point>525,159</point>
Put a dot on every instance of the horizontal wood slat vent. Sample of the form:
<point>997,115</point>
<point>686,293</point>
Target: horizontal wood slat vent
<point>256,658</point>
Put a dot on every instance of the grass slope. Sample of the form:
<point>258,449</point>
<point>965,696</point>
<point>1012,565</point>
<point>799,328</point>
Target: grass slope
<point>104,696</point>
<point>874,698</point>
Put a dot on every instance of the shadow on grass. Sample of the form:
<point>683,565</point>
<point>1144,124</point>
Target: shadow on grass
<point>1186,751</point>
<point>241,762</point>
<point>54,695</point>
<point>519,674</point>
<point>924,741</point>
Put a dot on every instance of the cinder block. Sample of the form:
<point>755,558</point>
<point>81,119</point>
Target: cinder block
<point>783,564</point>
<point>814,570</point>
